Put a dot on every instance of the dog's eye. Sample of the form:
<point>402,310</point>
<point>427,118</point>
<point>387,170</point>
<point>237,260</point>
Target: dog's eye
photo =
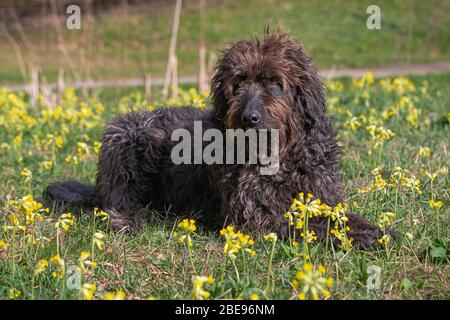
<point>275,87</point>
<point>237,86</point>
<point>274,82</point>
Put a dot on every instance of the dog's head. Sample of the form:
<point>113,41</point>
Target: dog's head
<point>268,84</point>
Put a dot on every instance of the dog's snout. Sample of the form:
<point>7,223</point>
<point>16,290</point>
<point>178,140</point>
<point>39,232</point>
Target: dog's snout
<point>250,118</point>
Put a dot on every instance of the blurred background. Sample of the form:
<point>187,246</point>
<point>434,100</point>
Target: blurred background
<point>128,41</point>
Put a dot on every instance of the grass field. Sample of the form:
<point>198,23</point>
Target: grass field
<point>398,181</point>
<point>116,44</point>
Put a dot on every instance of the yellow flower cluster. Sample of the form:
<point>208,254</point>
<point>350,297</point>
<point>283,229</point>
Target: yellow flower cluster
<point>435,174</point>
<point>190,97</point>
<point>87,291</point>
<point>29,211</point>
<point>185,228</point>
<point>198,283</point>
<point>424,152</point>
<point>385,219</point>
<point>436,204</point>
<point>65,221</point>
<point>398,178</point>
<point>85,263</point>
<point>304,208</point>
<point>118,295</point>
<point>404,109</point>
<point>59,264</point>
<point>311,284</point>
<point>235,242</point>
<point>378,135</point>
<point>366,80</point>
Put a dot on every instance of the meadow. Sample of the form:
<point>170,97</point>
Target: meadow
<point>128,44</point>
<point>394,134</point>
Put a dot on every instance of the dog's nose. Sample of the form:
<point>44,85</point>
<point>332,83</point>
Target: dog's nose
<point>251,118</point>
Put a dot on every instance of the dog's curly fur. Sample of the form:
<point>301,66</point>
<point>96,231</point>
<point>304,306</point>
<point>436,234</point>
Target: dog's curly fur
<point>278,79</point>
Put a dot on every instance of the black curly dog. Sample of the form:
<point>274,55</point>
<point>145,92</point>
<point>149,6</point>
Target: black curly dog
<point>262,84</point>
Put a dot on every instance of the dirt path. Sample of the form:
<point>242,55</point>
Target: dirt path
<point>392,70</point>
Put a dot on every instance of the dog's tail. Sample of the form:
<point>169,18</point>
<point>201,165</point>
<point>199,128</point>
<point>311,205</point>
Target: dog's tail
<point>73,193</point>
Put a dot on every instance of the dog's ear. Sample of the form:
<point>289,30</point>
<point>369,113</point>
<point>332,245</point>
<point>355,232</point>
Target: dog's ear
<point>308,90</point>
<point>218,97</point>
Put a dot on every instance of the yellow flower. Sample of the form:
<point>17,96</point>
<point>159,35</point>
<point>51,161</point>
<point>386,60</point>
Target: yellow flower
<point>84,261</point>
<point>378,135</point>
<point>3,244</point>
<point>101,214</point>
<point>46,165</point>
<point>40,267</point>
<point>235,242</point>
<point>27,174</point>
<point>271,237</point>
<point>97,147</point>
<point>185,228</point>
<point>433,176</point>
<point>366,80</point>
<point>65,221</point>
<point>118,295</point>
<point>87,291</point>
<point>60,269</point>
<point>254,296</point>
<point>385,239</point>
<point>14,293</point>
<point>310,283</point>
<point>198,282</point>
<point>385,219</point>
<point>188,225</point>
<point>98,240</point>
<point>436,204</point>
<point>424,152</point>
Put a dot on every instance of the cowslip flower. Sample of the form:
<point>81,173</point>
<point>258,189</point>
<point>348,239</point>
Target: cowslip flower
<point>424,152</point>
<point>378,135</point>
<point>84,262</point>
<point>198,291</point>
<point>185,228</point>
<point>118,295</point>
<point>436,204</point>
<point>235,242</point>
<point>271,237</point>
<point>385,219</point>
<point>65,221</point>
<point>385,239</point>
<point>311,284</point>
<point>27,174</point>
<point>14,293</point>
<point>97,147</point>
<point>60,267</point>
<point>40,267</point>
<point>3,244</point>
<point>102,215</point>
<point>434,175</point>
<point>98,240</point>
<point>46,165</point>
<point>87,291</point>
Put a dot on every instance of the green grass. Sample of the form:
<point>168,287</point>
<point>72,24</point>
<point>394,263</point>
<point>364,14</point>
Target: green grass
<point>115,45</point>
<point>152,263</point>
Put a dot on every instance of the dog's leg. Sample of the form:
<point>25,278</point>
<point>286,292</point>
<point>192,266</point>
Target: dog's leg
<point>123,178</point>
